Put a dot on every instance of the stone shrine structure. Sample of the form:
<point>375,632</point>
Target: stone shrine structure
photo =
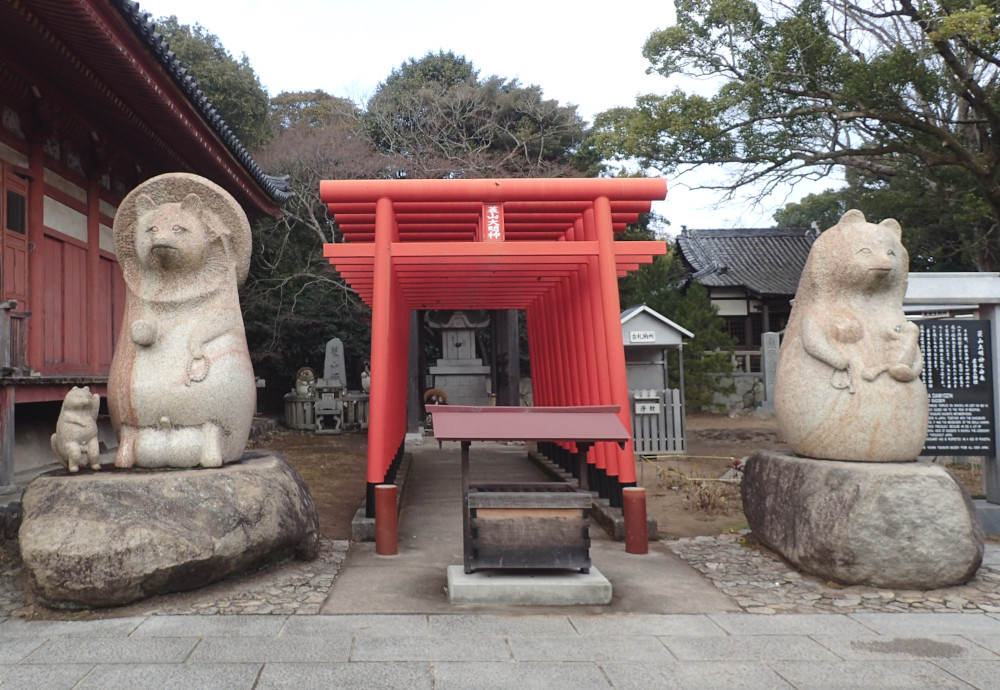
<point>854,506</point>
<point>329,404</point>
<point>181,396</point>
<point>459,373</point>
<point>334,369</point>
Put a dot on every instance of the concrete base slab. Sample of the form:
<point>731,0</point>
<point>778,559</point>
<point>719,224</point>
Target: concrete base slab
<point>989,515</point>
<point>533,588</point>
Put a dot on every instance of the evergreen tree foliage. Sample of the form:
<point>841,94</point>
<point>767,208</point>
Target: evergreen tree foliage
<point>941,225</point>
<point>905,92</point>
<point>231,85</point>
<point>441,119</point>
<point>663,286</point>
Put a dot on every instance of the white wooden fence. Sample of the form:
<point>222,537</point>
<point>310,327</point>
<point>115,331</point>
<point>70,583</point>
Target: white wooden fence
<point>658,421</point>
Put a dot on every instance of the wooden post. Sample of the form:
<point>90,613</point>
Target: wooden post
<point>634,511</point>
<point>6,399</point>
<point>466,513</point>
<point>6,436</point>
<point>414,379</point>
<point>386,520</point>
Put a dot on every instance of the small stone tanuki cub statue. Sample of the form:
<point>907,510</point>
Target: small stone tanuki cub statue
<point>848,384</point>
<point>181,392</point>
<point>76,430</point>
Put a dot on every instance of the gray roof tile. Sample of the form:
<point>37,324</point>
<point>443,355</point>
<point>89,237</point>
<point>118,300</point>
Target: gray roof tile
<point>767,262</point>
<point>278,188</point>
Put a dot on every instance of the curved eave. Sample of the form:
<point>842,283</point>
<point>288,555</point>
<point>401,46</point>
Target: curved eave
<point>94,54</point>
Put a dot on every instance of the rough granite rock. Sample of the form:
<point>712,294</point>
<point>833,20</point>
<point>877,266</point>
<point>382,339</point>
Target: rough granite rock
<point>110,538</point>
<point>848,385</point>
<point>894,525</point>
<point>181,391</point>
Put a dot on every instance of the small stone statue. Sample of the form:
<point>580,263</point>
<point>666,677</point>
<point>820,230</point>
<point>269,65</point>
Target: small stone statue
<point>366,378</point>
<point>181,392</point>
<point>848,385</point>
<point>76,430</point>
<point>305,382</point>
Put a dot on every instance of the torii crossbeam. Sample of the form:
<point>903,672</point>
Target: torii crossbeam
<point>542,245</point>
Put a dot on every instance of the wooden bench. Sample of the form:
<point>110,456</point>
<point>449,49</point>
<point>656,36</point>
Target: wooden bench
<point>522,525</point>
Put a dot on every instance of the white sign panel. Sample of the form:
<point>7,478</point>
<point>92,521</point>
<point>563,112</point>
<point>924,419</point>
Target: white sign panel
<point>642,336</point>
<point>647,408</point>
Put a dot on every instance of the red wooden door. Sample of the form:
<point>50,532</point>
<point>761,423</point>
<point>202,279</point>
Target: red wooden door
<point>14,245</point>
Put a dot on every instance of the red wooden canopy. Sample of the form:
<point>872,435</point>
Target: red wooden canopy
<point>542,245</point>
<point>573,424</point>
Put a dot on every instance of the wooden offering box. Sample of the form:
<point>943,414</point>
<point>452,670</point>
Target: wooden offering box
<point>531,525</point>
<point>527,524</point>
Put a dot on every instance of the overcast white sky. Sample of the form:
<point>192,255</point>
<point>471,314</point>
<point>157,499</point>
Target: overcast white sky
<point>592,59</point>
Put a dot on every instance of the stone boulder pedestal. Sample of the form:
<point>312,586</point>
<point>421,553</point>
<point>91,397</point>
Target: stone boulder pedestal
<point>110,538</point>
<point>906,525</point>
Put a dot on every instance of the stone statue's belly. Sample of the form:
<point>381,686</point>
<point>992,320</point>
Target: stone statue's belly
<point>161,389</point>
<point>883,420</point>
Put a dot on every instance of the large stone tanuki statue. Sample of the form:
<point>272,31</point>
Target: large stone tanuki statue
<point>853,505</point>
<point>181,395</point>
<point>181,392</point>
<point>848,385</point>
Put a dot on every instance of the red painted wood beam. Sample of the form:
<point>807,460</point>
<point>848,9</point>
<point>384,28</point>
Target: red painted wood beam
<point>495,190</point>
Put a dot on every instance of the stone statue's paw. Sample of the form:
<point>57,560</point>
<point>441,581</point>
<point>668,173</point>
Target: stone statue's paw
<point>125,457</point>
<point>197,370</point>
<point>840,379</point>
<point>903,372</point>
<point>143,333</point>
<point>211,460</point>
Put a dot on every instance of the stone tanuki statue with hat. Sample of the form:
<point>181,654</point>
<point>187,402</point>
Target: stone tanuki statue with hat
<point>181,395</point>
<point>181,392</point>
<point>853,505</point>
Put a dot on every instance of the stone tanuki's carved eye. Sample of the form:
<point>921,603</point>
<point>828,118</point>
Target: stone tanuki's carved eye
<point>153,229</point>
<point>890,253</point>
<point>864,250</point>
<point>178,229</point>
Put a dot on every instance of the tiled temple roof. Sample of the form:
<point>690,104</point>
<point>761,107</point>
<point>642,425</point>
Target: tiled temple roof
<point>277,188</point>
<point>767,262</point>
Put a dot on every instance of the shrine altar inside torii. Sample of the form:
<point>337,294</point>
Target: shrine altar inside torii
<point>544,246</point>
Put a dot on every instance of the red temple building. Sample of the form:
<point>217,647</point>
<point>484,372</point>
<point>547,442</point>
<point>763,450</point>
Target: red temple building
<point>92,103</point>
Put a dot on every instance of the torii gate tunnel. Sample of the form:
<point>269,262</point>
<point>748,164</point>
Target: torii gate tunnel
<point>542,245</point>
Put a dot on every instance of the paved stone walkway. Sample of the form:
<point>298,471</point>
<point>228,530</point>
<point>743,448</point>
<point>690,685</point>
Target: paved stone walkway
<point>756,579</point>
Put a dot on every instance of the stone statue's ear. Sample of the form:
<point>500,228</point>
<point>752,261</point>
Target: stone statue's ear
<point>852,217</point>
<point>893,225</point>
<point>191,203</point>
<point>144,205</point>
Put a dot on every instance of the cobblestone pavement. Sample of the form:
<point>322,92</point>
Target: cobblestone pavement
<point>760,582</point>
<point>754,577</point>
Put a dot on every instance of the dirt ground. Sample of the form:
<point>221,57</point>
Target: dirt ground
<point>686,494</point>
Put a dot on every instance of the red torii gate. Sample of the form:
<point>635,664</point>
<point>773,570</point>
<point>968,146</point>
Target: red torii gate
<point>542,245</point>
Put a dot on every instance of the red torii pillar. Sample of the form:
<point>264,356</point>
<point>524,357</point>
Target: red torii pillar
<point>608,276</point>
<point>389,357</point>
